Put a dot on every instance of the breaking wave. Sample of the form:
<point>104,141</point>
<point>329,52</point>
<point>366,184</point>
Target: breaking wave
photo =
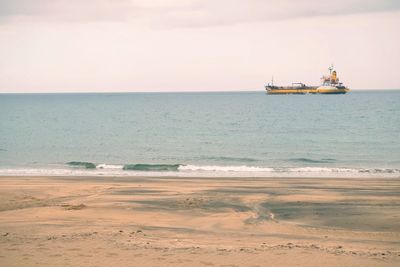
<point>152,167</point>
<point>82,168</point>
<point>126,167</point>
<point>87,165</point>
<point>217,168</point>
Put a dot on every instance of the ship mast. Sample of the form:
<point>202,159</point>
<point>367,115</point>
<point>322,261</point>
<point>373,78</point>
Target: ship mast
<point>330,69</point>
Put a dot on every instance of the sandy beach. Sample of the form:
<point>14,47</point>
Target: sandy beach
<point>169,221</point>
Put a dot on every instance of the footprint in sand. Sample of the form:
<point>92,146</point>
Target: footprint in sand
<point>113,254</point>
<point>207,263</point>
<point>85,255</point>
<point>73,249</point>
<point>73,207</point>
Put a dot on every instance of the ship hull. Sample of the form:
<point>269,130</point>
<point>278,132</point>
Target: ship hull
<point>303,91</point>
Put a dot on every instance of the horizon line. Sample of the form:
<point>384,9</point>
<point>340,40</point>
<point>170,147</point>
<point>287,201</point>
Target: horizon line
<point>174,92</point>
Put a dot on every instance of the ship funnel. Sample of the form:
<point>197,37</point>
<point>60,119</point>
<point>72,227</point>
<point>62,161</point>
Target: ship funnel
<point>334,76</point>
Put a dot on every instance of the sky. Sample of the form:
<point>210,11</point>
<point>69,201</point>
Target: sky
<point>195,45</point>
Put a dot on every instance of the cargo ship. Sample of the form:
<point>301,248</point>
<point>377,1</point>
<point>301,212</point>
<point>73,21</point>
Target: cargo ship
<point>330,85</point>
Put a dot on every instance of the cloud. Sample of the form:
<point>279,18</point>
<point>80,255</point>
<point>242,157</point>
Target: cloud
<point>189,13</point>
<point>67,10</point>
<point>227,12</point>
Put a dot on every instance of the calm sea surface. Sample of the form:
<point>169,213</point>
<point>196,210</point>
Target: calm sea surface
<point>245,134</point>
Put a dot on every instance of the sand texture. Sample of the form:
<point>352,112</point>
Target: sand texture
<point>132,221</point>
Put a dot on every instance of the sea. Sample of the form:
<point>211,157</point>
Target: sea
<point>219,134</point>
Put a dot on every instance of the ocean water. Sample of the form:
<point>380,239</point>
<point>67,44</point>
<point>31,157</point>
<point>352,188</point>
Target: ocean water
<point>201,134</point>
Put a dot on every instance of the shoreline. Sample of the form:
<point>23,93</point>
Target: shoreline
<point>209,172</point>
<point>198,221</point>
<point>128,177</point>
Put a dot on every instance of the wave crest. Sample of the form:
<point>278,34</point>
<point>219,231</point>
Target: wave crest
<point>87,165</point>
<point>226,170</point>
<point>151,167</point>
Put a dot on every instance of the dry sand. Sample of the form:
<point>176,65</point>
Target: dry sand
<point>121,221</point>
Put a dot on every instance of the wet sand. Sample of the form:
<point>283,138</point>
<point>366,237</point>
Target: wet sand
<point>132,221</point>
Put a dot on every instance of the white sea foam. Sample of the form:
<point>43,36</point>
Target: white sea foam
<point>206,171</point>
<point>323,170</point>
<point>224,168</point>
<point>109,166</point>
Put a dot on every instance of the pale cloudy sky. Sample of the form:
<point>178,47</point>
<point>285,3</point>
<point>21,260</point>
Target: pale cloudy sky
<point>195,45</point>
